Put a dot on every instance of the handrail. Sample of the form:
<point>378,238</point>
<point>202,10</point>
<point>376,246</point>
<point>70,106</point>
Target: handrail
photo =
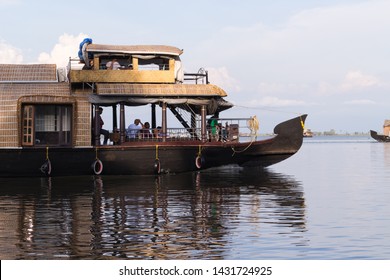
<point>201,75</point>
<point>227,130</point>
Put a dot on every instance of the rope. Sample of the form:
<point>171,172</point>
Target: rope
<point>96,154</point>
<point>200,150</point>
<point>302,124</point>
<point>253,125</point>
<point>156,152</point>
<point>47,153</point>
<point>246,148</point>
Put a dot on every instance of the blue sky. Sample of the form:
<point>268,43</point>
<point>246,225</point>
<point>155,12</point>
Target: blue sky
<point>275,59</point>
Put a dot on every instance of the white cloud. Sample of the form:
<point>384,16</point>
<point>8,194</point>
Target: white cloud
<point>221,77</point>
<point>311,52</point>
<point>355,80</point>
<point>10,54</point>
<point>352,82</point>
<point>66,47</point>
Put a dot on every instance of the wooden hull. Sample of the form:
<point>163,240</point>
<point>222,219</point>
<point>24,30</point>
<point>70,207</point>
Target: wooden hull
<point>150,158</point>
<point>379,137</point>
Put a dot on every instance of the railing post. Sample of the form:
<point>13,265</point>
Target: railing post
<point>122,122</point>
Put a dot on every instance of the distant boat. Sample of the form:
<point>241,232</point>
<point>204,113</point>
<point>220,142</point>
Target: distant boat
<point>379,137</point>
<point>386,132</point>
<point>307,133</point>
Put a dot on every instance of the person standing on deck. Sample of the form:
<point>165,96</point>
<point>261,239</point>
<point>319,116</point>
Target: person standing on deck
<point>104,132</point>
<point>213,127</point>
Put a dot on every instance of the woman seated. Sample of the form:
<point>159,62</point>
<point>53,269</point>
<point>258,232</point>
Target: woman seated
<point>145,131</point>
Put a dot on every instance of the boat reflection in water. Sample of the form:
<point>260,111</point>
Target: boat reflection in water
<point>229,214</point>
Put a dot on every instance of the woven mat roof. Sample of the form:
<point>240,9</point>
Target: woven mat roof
<point>28,72</point>
<point>182,90</point>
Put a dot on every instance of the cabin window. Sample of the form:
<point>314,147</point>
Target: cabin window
<point>28,137</point>
<point>47,125</point>
<point>155,63</point>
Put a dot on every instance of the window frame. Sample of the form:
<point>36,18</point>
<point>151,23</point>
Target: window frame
<point>63,112</point>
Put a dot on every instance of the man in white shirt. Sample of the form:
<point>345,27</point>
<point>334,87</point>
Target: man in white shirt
<point>134,128</point>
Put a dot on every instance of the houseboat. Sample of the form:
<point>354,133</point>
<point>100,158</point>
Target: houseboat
<point>50,121</point>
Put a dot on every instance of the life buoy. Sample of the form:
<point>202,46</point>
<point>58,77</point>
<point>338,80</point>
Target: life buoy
<point>46,167</point>
<point>157,167</point>
<point>97,167</point>
<point>199,161</point>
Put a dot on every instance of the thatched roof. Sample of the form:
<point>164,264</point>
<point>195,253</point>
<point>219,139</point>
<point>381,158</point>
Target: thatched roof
<point>179,90</point>
<point>137,49</point>
<point>28,72</point>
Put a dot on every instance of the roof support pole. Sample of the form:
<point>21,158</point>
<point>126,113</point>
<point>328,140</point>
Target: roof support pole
<point>122,123</point>
<point>114,118</point>
<point>203,123</point>
<point>164,121</point>
<point>153,115</point>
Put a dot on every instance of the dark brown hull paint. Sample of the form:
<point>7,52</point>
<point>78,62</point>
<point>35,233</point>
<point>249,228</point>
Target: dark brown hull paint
<point>138,158</point>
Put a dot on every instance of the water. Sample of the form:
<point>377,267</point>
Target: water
<point>329,201</point>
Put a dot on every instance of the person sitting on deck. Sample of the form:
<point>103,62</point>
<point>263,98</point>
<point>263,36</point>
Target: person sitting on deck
<point>158,133</point>
<point>133,129</point>
<point>113,64</point>
<point>145,131</point>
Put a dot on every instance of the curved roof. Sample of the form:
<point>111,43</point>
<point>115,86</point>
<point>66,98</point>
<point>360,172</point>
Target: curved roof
<point>136,49</point>
<point>146,90</point>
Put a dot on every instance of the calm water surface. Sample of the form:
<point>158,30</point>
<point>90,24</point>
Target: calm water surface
<point>329,201</point>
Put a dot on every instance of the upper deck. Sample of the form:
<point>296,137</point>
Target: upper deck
<point>134,64</point>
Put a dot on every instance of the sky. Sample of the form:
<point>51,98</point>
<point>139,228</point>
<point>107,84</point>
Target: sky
<point>276,59</point>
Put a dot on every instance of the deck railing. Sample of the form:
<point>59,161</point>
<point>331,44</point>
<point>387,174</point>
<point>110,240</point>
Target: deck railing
<point>227,130</point>
<point>201,77</point>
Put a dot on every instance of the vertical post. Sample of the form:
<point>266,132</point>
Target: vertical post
<point>122,122</point>
<point>164,121</point>
<point>114,119</point>
<point>96,65</point>
<point>135,63</point>
<point>96,125</point>
<point>153,115</point>
<point>203,123</point>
